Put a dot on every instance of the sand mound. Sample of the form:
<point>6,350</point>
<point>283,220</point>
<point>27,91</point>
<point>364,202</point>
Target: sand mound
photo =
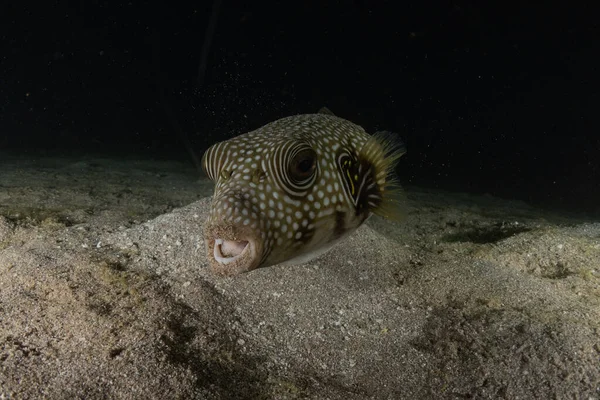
<point>469,298</point>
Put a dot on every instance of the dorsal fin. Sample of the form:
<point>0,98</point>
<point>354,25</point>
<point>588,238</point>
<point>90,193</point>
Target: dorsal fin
<point>325,110</point>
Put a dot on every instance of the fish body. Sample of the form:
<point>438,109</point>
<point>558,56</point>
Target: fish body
<point>290,190</point>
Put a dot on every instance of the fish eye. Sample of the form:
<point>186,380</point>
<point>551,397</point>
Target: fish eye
<point>303,165</point>
<point>213,160</point>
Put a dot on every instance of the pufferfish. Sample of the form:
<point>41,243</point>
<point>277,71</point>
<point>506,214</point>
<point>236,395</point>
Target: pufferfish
<point>289,191</point>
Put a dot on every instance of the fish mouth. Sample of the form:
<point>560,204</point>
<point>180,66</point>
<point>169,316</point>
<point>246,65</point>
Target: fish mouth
<point>231,254</point>
<point>228,251</point>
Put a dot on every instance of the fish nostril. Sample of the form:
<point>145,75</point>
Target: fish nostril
<point>258,176</point>
<point>225,174</point>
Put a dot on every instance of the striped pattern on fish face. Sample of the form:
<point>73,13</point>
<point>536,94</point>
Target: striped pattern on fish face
<point>289,190</point>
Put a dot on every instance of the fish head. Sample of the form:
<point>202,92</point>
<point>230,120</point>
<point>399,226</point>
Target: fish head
<point>257,216</point>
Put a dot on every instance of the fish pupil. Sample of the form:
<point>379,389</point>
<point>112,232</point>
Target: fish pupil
<point>304,164</point>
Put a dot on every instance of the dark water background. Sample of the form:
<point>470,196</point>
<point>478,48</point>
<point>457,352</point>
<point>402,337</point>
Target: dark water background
<point>490,97</point>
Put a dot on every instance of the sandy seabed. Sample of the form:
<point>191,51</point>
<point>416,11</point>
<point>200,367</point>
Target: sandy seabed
<point>105,293</point>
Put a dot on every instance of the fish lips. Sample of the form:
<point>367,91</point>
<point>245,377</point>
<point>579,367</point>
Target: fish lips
<point>232,250</point>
